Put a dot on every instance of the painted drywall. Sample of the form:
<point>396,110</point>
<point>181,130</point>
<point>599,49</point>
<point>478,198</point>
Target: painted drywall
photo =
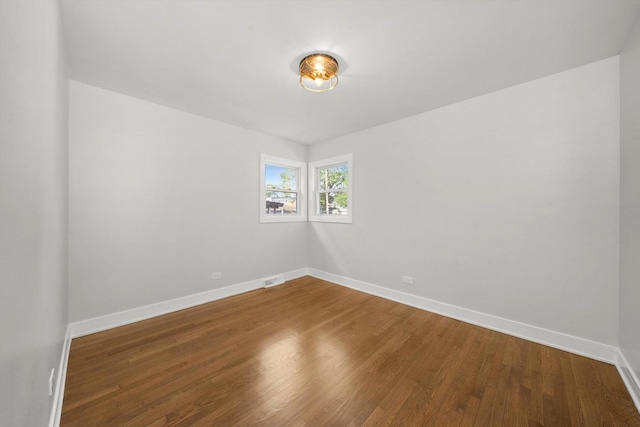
<point>33,208</point>
<point>630,201</point>
<point>160,199</point>
<point>506,204</point>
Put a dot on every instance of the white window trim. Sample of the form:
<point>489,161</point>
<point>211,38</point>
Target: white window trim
<point>301,189</point>
<point>313,191</point>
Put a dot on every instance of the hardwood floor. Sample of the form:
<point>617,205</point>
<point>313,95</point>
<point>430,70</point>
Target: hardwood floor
<point>314,353</point>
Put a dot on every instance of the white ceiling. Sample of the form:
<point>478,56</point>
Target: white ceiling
<point>236,61</point>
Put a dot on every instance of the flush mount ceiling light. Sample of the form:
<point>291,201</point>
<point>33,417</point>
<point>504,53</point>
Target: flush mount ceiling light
<point>319,72</point>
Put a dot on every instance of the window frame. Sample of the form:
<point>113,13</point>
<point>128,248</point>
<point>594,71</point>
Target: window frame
<point>301,189</point>
<point>314,190</point>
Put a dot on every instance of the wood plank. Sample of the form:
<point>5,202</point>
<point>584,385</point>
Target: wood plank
<point>311,353</point>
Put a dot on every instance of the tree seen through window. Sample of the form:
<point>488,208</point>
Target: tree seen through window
<point>333,183</point>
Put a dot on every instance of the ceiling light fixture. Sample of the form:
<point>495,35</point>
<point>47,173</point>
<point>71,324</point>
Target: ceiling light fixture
<point>319,72</point>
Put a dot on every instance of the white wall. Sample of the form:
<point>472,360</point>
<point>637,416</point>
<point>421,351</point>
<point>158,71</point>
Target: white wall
<point>630,201</point>
<point>160,199</point>
<point>33,207</point>
<point>506,204</point>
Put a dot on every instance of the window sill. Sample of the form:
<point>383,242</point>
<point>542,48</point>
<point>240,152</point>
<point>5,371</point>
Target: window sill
<point>331,218</point>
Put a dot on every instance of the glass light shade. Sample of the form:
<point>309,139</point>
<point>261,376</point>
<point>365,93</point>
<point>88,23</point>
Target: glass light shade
<point>319,72</point>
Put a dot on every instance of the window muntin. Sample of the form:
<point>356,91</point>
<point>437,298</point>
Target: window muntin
<point>282,185</point>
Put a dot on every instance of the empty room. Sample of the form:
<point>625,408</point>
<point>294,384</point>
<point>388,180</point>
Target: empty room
<point>339,213</point>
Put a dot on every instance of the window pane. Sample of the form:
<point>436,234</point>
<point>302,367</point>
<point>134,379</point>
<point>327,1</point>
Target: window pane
<point>333,177</point>
<point>281,202</point>
<point>281,177</point>
<point>332,203</point>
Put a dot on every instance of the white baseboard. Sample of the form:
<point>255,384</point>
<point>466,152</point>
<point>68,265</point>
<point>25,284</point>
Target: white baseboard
<point>102,323</point>
<point>630,379</point>
<point>295,274</point>
<point>581,346</point>
<point>58,396</point>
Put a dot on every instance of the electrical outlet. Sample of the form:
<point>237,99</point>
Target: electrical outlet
<point>52,380</point>
<point>407,280</point>
<point>215,276</point>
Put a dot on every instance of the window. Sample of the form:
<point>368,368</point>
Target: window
<point>282,189</point>
<point>331,184</point>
